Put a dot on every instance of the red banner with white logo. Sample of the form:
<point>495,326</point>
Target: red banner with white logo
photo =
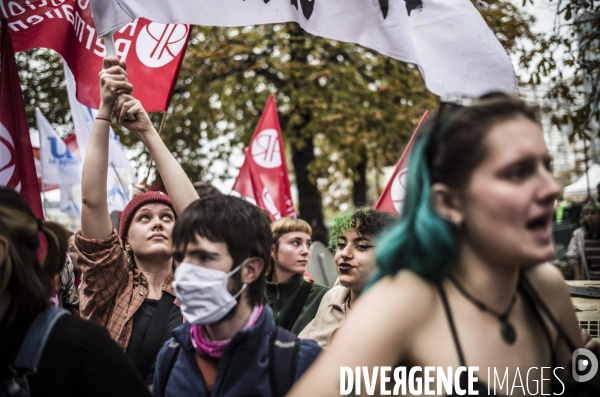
<point>268,155</point>
<point>17,167</point>
<point>153,51</point>
<point>392,197</point>
<point>250,184</point>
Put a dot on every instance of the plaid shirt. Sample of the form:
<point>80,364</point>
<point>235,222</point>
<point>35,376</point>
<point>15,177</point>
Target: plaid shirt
<point>110,292</point>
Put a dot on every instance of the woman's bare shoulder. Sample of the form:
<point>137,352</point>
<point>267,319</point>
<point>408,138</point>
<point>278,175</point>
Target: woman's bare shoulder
<point>546,279</point>
<point>548,282</point>
<point>405,295</point>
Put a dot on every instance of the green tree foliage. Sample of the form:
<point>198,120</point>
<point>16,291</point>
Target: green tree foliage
<point>343,108</point>
<point>43,84</point>
<point>569,56</point>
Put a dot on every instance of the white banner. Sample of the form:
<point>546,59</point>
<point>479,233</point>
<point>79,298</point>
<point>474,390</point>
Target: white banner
<point>448,39</point>
<point>121,175</point>
<point>70,200</point>
<point>57,163</point>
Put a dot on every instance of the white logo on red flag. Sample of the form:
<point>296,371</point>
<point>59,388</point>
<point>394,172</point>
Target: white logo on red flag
<point>270,204</point>
<point>392,197</point>
<point>67,27</point>
<point>399,189</point>
<point>158,44</point>
<point>8,157</point>
<point>265,149</point>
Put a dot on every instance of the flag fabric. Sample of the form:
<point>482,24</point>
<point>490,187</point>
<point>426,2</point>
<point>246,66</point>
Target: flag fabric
<point>121,176</point>
<point>392,197</point>
<point>17,166</point>
<point>249,184</point>
<point>70,200</point>
<point>58,164</point>
<point>153,51</point>
<point>38,171</point>
<point>268,155</point>
<point>450,42</point>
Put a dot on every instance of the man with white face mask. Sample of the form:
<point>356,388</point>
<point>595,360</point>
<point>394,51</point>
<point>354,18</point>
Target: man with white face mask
<point>229,345</point>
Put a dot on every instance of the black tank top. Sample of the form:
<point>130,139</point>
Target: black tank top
<point>533,299</point>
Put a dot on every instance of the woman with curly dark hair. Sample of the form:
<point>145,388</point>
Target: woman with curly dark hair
<point>352,238</point>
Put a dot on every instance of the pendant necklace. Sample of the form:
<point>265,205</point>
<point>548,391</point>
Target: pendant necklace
<point>507,330</point>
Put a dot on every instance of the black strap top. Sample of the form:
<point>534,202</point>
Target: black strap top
<point>534,301</point>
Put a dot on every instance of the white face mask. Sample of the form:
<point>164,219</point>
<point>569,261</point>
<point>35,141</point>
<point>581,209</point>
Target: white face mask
<point>203,292</point>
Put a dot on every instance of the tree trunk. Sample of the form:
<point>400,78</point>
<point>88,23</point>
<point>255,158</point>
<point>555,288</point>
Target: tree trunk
<point>359,189</point>
<point>309,197</point>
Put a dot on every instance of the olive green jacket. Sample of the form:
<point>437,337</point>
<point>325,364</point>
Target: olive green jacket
<point>280,297</point>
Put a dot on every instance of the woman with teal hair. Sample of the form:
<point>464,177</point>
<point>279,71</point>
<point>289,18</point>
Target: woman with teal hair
<point>463,280</point>
<point>584,249</point>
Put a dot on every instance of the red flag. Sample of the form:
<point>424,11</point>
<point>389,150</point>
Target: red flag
<point>268,154</point>
<point>71,142</point>
<point>250,184</point>
<point>153,51</point>
<point>17,168</point>
<point>392,197</point>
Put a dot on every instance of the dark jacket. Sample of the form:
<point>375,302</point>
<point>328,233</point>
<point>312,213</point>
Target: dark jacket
<point>243,369</point>
<point>281,296</point>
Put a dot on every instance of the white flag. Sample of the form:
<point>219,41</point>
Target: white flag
<point>119,167</point>
<point>57,163</point>
<point>70,200</point>
<point>448,39</point>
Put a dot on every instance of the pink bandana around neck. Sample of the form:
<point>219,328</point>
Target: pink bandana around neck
<point>214,349</point>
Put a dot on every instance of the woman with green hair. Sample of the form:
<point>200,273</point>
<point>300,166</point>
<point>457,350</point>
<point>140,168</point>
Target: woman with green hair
<point>463,279</point>
<point>352,238</point>
<point>584,249</point>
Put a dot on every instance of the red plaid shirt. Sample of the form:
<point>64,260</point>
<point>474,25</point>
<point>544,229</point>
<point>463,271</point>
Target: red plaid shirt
<point>110,292</point>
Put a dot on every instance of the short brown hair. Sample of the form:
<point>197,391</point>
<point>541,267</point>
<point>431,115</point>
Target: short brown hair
<point>283,226</point>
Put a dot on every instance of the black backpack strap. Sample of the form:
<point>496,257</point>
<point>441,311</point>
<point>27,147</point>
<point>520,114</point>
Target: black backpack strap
<point>154,335</point>
<point>528,289</point>
<point>297,305</point>
<point>169,362</point>
<point>283,358</point>
<point>30,352</point>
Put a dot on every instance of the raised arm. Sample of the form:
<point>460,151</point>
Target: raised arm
<point>133,117</point>
<point>95,219</point>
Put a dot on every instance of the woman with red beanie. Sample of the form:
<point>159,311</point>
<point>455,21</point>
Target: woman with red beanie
<point>127,277</point>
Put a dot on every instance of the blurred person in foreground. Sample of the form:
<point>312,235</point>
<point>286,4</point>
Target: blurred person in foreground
<point>463,279</point>
<point>353,239</point>
<point>78,357</point>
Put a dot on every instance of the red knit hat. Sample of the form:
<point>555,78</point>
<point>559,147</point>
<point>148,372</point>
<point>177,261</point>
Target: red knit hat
<point>135,204</point>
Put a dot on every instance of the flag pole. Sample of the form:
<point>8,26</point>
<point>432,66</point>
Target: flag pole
<point>109,43</point>
<point>162,123</point>
<point>125,190</point>
<point>42,172</point>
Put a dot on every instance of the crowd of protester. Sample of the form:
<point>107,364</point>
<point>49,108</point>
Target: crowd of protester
<point>198,294</point>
